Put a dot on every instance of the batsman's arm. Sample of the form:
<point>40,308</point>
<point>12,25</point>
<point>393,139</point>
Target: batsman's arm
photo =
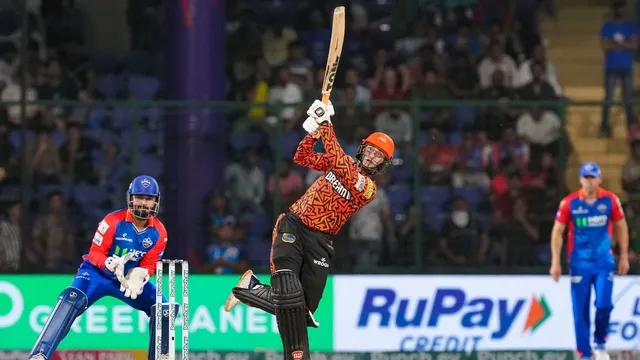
<point>154,254</point>
<point>339,160</point>
<point>306,157</point>
<point>102,241</point>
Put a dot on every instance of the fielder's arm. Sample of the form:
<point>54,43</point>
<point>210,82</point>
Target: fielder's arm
<point>151,258</point>
<point>563,216</point>
<point>621,228</point>
<point>556,241</point>
<point>102,241</point>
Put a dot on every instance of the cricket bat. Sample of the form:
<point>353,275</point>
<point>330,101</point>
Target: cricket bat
<point>335,51</point>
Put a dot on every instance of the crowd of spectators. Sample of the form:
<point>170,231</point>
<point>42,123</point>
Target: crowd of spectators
<point>487,177</point>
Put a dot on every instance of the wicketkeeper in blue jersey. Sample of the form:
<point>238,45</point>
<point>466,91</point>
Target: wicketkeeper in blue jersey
<point>591,214</point>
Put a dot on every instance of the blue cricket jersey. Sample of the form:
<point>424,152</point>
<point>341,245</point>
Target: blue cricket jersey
<point>116,235</point>
<point>590,226</point>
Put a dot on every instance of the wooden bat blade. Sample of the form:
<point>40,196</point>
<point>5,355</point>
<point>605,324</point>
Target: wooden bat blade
<point>335,51</point>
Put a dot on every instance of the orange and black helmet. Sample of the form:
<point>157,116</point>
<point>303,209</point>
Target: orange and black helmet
<point>382,142</point>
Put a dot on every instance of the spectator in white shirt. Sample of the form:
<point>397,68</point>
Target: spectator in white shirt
<point>497,60</point>
<point>539,56</point>
<point>542,129</point>
<point>12,92</point>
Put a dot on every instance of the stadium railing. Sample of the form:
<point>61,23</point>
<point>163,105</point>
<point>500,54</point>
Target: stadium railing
<point>146,117</point>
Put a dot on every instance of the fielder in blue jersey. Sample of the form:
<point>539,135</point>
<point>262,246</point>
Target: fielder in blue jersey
<point>128,241</point>
<point>591,214</point>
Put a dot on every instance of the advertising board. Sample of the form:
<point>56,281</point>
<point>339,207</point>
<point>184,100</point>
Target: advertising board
<point>26,301</point>
<point>470,313</point>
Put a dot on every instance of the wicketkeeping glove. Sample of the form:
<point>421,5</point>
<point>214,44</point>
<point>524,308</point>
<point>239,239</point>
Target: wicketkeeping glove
<point>134,283</point>
<point>115,264</point>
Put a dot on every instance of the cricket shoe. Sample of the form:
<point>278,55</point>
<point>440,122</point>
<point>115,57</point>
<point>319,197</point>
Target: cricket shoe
<point>247,281</point>
<point>599,352</point>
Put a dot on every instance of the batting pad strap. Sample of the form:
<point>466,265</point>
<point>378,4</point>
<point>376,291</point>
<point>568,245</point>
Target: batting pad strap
<point>286,290</point>
<point>260,298</point>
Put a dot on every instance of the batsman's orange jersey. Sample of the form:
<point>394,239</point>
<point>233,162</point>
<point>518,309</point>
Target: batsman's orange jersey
<point>339,193</point>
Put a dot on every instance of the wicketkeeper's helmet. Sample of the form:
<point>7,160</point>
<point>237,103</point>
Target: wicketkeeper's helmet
<point>148,186</point>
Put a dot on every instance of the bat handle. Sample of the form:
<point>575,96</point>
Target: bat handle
<point>325,98</point>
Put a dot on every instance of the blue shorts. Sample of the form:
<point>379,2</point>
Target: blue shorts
<point>95,285</point>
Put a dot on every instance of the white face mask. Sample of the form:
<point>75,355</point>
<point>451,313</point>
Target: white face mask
<point>460,218</point>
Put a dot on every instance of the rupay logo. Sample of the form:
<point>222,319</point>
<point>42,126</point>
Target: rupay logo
<point>385,308</point>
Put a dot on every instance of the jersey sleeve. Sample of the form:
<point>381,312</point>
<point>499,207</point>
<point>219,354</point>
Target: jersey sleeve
<point>564,214</point>
<point>154,254</point>
<point>617,213</point>
<point>305,156</point>
<point>102,240</point>
<point>341,163</point>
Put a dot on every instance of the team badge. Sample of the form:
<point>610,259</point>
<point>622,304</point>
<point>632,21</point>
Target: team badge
<point>145,183</point>
<point>602,208</point>
<point>147,242</point>
<point>288,238</point>
<point>368,193</point>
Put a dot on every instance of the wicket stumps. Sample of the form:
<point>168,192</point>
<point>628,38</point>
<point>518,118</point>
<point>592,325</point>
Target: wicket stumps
<point>172,315</point>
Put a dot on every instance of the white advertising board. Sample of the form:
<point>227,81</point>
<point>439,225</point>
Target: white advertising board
<point>465,313</point>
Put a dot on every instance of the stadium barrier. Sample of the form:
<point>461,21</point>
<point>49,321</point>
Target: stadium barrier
<point>132,121</point>
<point>358,314</point>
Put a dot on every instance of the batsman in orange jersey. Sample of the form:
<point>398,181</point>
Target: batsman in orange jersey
<point>302,249</point>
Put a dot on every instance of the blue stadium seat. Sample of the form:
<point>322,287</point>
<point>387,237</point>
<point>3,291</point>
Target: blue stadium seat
<point>154,114</point>
<point>434,198</point>
<point>143,87</point>
<point>399,195</point>
<point>15,138</point>
<point>150,165</point>
<point>242,140</point>
<point>259,252</point>
<point>476,197</point>
<point>290,142</point>
<point>267,166</point>
<point>455,138</point>
<point>398,215</point>
<point>260,226</point>
<point>403,173</point>
<point>58,137</point>
<point>143,140</point>
<point>435,221</point>
<point>88,196</point>
<point>122,118</point>
<point>102,136</point>
<point>9,192</point>
<point>463,116</point>
<point>45,190</point>
<point>108,85</point>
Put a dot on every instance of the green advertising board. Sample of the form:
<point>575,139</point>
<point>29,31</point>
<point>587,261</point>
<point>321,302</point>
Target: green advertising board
<point>27,300</point>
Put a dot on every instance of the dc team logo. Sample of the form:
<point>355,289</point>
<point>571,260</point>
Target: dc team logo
<point>145,183</point>
<point>146,243</point>
<point>297,355</point>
